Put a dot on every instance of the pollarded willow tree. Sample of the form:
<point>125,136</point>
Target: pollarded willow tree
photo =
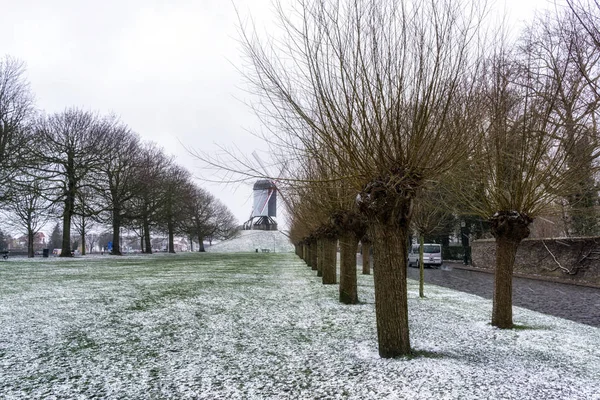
<point>525,160</point>
<point>384,89</point>
<point>334,201</point>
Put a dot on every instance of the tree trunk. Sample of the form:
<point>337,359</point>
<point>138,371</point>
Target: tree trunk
<point>320,256</point>
<point>83,243</point>
<point>348,280</point>
<point>421,266</point>
<point>391,299</point>
<point>171,237</point>
<point>148,247</point>
<point>329,261</point>
<point>142,248</point>
<point>116,250</point>
<point>509,229</point>
<point>305,254</point>
<point>30,238</point>
<point>66,239</point>
<point>506,251</point>
<point>366,258</point>
<point>313,255</point>
<point>201,248</point>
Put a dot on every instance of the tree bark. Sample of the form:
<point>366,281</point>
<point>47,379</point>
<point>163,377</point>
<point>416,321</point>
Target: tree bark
<point>348,279</point>
<point>116,234</point>
<point>320,256</point>
<point>30,238</point>
<point>329,261</point>
<point>506,251</point>
<point>391,299</point>
<point>201,248</point>
<point>366,258</point>
<point>313,255</point>
<point>83,243</point>
<point>66,239</point>
<point>148,247</point>
<point>308,258</point>
<point>509,229</point>
<point>421,266</point>
<point>171,237</point>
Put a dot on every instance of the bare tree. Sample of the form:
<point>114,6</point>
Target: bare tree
<point>199,208</point>
<point>571,60</point>
<point>28,210</point>
<point>145,205</point>
<point>430,213</point>
<point>85,213</point>
<point>524,163</point>
<point>118,178</point>
<point>587,13</point>
<point>16,112</point>
<point>224,224</point>
<point>175,182</point>
<point>70,149</point>
<point>384,90</point>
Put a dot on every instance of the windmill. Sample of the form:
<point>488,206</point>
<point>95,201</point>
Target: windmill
<point>264,206</point>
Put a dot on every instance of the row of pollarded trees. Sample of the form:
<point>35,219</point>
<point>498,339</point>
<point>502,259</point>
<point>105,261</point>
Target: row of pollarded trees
<point>88,168</point>
<point>377,102</point>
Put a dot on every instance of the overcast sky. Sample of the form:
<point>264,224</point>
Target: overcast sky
<point>167,68</point>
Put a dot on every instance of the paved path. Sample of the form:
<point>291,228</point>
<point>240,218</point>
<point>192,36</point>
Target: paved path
<point>577,303</point>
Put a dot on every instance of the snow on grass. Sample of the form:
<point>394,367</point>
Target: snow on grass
<point>261,326</point>
<point>250,241</point>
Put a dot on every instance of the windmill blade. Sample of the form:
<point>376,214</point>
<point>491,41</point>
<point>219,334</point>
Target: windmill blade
<point>266,203</point>
<point>260,162</point>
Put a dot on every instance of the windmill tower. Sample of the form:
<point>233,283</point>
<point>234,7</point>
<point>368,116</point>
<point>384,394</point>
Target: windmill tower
<point>264,207</point>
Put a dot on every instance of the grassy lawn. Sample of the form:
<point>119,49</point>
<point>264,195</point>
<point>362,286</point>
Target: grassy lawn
<point>261,325</point>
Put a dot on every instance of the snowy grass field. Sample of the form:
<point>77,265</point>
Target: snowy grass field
<point>261,326</point>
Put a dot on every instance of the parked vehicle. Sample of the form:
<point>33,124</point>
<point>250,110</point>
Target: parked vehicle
<point>432,255</point>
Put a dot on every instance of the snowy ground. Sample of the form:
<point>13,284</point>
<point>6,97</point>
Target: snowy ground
<point>255,326</point>
<point>250,241</point>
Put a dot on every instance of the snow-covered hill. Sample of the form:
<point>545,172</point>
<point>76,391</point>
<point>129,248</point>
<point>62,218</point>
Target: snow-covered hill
<point>273,241</point>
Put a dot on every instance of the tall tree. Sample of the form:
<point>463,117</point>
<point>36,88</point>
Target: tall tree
<point>70,148</point>
<point>175,182</point>
<point>558,46</point>
<point>28,210</point>
<point>150,193</point>
<point>205,217</point>
<point>119,178</point>
<point>16,111</point>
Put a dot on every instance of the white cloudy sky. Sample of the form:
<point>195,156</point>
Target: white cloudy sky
<point>166,67</point>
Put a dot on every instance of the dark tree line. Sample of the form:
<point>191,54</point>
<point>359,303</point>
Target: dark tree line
<point>85,168</point>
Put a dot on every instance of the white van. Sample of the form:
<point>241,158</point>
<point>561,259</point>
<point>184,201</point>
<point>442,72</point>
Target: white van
<point>432,255</point>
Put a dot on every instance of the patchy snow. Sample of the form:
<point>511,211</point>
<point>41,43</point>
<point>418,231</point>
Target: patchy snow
<point>255,326</point>
<point>249,241</point>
